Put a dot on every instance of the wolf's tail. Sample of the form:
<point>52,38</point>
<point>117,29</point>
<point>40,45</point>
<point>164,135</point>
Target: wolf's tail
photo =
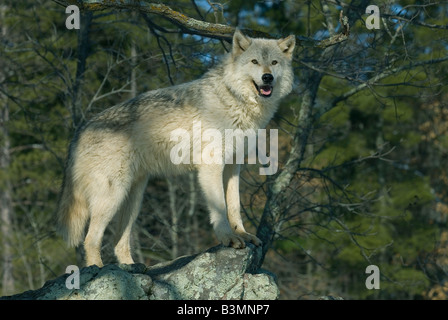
<point>72,213</point>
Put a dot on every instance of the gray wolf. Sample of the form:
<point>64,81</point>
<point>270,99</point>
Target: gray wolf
<point>112,156</point>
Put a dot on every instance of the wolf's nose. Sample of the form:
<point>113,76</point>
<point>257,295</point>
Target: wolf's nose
<point>267,78</point>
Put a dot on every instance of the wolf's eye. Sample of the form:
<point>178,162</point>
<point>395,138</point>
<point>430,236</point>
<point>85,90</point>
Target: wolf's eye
<point>274,62</point>
<point>254,61</point>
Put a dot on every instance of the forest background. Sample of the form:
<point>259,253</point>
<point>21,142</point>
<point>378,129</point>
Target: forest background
<point>363,137</point>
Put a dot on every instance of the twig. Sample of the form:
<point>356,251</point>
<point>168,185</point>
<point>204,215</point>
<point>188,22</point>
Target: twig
<point>150,25</point>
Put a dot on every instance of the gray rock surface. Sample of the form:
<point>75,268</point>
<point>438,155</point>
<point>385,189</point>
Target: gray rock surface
<point>218,273</point>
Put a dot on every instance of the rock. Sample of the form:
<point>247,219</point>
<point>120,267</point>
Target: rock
<point>218,273</point>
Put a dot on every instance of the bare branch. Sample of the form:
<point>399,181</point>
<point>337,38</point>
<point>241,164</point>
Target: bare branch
<point>152,27</point>
<point>386,73</point>
<point>419,23</point>
<point>340,37</point>
<point>360,10</point>
<point>193,26</point>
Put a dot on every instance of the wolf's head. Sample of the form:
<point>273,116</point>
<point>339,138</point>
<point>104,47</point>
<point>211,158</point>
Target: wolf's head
<point>262,67</point>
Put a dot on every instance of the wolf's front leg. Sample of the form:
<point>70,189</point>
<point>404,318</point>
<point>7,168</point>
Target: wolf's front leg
<point>211,180</point>
<point>231,186</point>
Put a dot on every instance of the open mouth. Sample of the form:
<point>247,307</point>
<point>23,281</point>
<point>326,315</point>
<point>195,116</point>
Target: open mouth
<point>264,90</point>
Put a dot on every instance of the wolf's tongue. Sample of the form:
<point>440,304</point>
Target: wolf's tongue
<point>265,90</point>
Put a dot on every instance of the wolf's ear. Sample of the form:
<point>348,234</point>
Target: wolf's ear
<point>240,43</point>
<point>287,45</point>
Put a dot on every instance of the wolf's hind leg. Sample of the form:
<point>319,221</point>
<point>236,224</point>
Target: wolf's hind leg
<point>127,215</point>
<point>103,204</point>
<point>211,180</point>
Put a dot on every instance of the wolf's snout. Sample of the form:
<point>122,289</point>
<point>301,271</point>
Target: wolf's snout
<point>267,78</point>
<point>265,90</point>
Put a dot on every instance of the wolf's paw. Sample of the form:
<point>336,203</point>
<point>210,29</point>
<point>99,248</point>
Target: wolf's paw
<point>232,240</point>
<point>250,238</point>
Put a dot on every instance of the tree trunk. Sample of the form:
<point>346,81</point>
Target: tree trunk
<point>271,220</point>
<point>6,209</point>
<point>174,219</point>
<point>83,52</point>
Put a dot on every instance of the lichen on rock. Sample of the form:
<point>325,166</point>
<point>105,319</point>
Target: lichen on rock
<point>218,273</point>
